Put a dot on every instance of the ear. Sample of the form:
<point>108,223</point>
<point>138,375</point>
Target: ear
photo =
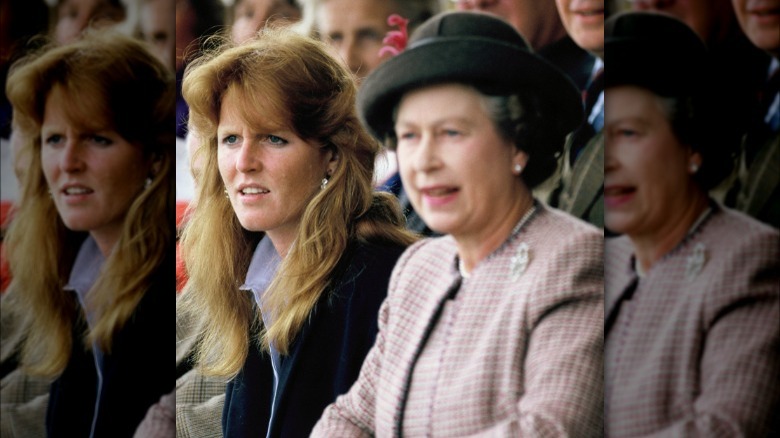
<point>156,165</point>
<point>695,158</point>
<point>332,156</point>
<point>519,157</point>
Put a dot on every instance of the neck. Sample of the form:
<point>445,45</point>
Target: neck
<point>651,247</point>
<point>283,239</point>
<point>105,240</point>
<point>474,249</point>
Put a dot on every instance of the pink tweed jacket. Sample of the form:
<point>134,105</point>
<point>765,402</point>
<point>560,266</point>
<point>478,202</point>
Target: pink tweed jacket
<point>518,352</point>
<point>695,352</point>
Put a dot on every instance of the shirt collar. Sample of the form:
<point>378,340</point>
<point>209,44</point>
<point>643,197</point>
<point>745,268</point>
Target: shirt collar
<point>262,268</point>
<point>85,271</point>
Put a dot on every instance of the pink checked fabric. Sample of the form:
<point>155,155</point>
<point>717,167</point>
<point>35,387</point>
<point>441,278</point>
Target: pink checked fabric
<point>694,353</point>
<point>510,356</point>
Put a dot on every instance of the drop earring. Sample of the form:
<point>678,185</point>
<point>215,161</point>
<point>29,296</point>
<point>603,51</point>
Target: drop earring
<point>324,184</point>
<point>148,182</point>
<point>227,196</point>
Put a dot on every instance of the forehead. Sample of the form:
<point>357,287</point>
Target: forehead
<point>634,103</point>
<point>334,13</point>
<point>79,107</point>
<point>449,100</point>
<point>256,111</point>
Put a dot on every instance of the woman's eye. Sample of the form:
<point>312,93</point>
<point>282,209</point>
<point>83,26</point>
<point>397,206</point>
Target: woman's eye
<point>54,139</point>
<point>407,136</point>
<point>276,140</point>
<point>451,132</point>
<point>230,139</point>
<point>103,141</point>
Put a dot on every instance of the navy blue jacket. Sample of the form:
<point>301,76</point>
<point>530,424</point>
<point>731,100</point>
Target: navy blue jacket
<point>324,359</point>
<point>139,370</point>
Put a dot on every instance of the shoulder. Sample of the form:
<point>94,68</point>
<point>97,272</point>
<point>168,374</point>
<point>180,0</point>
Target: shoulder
<point>739,242</point>
<point>366,266</point>
<point>568,254</point>
<point>429,253</point>
<point>559,231</point>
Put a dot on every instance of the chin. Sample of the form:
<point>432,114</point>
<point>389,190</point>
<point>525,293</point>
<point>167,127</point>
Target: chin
<point>616,224</point>
<point>78,224</point>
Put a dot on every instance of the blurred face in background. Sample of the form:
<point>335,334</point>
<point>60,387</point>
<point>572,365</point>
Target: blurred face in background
<point>710,19</point>
<point>760,20</point>
<point>158,29</point>
<point>73,16</point>
<point>93,173</point>
<point>355,30</point>
<point>648,180</point>
<point>185,30</point>
<point>584,22</point>
<point>536,20</point>
<point>249,16</point>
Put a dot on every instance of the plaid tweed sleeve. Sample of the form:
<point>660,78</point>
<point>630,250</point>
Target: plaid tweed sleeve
<point>199,402</point>
<point>564,370</point>
<point>739,391</point>
<point>160,421</point>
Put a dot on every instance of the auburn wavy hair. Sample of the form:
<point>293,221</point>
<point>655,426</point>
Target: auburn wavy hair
<point>294,79</point>
<point>122,85</point>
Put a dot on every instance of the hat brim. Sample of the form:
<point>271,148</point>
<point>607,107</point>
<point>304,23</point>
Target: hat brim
<point>492,67</point>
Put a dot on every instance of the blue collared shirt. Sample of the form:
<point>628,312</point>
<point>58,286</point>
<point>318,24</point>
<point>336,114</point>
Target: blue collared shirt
<point>262,270</point>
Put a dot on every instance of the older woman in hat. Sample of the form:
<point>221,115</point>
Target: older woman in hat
<point>692,295</point>
<point>91,245</point>
<point>495,328</point>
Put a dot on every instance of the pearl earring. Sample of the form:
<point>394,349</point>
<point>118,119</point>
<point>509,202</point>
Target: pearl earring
<point>226,194</point>
<point>694,167</point>
<point>518,168</point>
<point>147,183</point>
<point>324,183</point>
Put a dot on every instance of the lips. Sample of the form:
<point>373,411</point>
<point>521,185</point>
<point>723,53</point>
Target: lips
<point>252,189</point>
<point>589,9</point>
<point>590,12</point>
<point>436,192</point>
<point>764,8</point>
<point>75,189</point>
<point>439,195</point>
<point>612,191</point>
<point>616,195</point>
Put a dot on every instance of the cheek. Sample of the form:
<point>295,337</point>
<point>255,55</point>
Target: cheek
<point>49,166</point>
<point>224,164</point>
<point>404,167</point>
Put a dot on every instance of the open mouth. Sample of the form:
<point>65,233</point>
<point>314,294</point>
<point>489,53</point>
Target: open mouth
<point>70,191</point>
<point>618,191</point>
<point>439,192</point>
<point>253,191</point>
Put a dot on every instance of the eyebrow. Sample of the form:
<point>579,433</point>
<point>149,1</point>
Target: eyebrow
<point>462,120</point>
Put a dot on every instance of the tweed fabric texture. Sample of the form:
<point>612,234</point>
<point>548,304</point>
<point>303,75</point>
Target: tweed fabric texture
<point>694,352</point>
<point>523,356</point>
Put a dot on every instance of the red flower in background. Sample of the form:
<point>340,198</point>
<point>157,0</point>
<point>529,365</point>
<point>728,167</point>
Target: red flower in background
<point>395,40</point>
